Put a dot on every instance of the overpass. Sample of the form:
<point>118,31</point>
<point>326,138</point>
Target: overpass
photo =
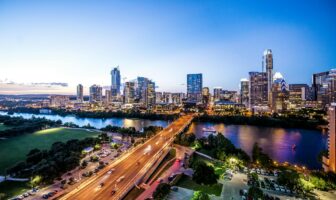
<point>131,168</point>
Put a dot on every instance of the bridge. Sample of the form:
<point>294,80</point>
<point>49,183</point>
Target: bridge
<point>131,168</point>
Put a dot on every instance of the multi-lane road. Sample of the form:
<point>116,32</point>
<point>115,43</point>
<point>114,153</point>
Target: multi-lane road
<point>129,168</point>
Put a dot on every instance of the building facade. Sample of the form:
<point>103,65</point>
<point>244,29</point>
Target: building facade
<point>206,96</point>
<point>80,93</point>
<point>298,95</point>
<point>108,96</point>
<point>59,100</point>
<point>244,92</point>
<point>96,94</point>
<point>268,66</point>
<point>258,89</point>
<point>129,92</point>
<point>217,92</point>
<point>194,88</point>
<point>329,162</point>
<point>115,82</point>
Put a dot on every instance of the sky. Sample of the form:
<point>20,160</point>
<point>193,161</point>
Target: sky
<point>51,46</point>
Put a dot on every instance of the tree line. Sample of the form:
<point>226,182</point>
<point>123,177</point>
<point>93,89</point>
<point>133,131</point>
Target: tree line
<point>100,114</point>
<point>18,125</point>
<point>51,164</point>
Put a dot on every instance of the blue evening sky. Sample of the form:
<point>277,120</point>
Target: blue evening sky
<point>80,41</point>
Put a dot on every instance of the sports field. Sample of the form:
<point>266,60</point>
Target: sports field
<point>14,149</point>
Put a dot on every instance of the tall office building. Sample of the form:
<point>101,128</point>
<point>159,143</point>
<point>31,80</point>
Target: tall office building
<point>319,86</point>
<point>298,94</point>
<point>150,95</point>
<point>205,95</point>
<point>80,96</point>
<point>279,93</point>
<point>194,88</point>
<point>329,163</point>
<point>129,92</point>
<point>96,93</point>
<point>115,82</point>
<point>324,87</point>
<point>108,96</point>
<point>141,88</point>
<point>258,89</point>
<point>244,92</point>
<point>267,62</point>
<point>217,93</point>
<point>145,91</point>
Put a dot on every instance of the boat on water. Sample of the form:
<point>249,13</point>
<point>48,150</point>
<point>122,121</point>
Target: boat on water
<point>208,131</point>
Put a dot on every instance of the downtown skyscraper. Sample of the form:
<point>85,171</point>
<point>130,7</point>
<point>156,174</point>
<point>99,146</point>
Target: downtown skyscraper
<point>96,93</point>
<point>194,88</point>
<point>80,96</point>
<point>115,82</point>
<point>267,64</point>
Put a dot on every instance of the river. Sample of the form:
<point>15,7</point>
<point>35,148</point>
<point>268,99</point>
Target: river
<point>97,123</point>
<point>276,142</point>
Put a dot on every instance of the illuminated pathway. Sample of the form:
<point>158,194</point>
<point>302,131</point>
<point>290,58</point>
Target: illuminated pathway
<point>130,168</point>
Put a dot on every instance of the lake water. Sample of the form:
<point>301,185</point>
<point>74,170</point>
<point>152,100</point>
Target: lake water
<point>97,123</point>
<point>276,142</point>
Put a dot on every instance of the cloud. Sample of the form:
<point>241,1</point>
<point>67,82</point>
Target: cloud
<point>10,87</point>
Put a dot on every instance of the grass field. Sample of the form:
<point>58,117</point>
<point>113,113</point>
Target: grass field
<point>187,182</point>
<point>14,149</point>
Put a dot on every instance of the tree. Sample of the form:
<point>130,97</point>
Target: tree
<point>161,191</point>
<point>255,193</point>
<point>199,195</point>
<point>35,181</point>
<point>2,196</point>
<point>204,174</point>
<point>290,179</point>
<point>258,156</point>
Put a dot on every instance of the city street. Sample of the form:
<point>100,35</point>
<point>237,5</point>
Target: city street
<point>130,168</point>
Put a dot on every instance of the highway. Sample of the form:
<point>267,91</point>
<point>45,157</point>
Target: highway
<point>129,168</point>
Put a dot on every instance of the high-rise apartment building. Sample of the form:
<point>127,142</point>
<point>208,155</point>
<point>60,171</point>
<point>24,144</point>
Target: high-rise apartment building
<point>129,92</point>
<point>194,88</point>
<point>244,92</point>
<point>158,97</point>
<point>217,93</point>
<point>108,96</point>
<point>96,93</point>
<point>324,87</point>
<point>258,89</point>
<point>150,95</point>
<point>80,96</point>
<point>115,82</point>
<point>329,163</point>
<point>279,93</point>
<point>59,100</point>
<point>205,95</point>
<point>267,62</point>
<point>298,94</point>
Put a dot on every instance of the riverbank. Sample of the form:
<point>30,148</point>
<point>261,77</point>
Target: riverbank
<point>265,121</point>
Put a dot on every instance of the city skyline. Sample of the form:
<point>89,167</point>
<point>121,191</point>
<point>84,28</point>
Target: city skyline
<point>82,46</point>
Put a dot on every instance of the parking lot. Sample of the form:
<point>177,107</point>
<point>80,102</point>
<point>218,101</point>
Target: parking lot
<point>236,185</point>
